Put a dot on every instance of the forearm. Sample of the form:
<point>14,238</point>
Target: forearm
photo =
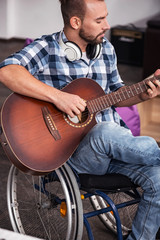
<point>19,80</point>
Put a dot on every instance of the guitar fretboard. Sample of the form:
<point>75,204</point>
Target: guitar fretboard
<point>123,94</point>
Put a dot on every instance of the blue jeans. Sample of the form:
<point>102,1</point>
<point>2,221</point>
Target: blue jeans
<point>110,148</point>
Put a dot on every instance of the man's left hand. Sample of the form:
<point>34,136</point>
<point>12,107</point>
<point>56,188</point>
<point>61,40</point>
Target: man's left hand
<point>154,87</point>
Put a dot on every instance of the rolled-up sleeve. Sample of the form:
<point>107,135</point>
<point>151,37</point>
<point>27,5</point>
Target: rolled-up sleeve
<point>33,57</point>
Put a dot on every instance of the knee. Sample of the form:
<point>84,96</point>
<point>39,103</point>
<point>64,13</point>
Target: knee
<point>151,181</point>
<point>150,147</point>
<point>149,142</point>
<point>108,129</point>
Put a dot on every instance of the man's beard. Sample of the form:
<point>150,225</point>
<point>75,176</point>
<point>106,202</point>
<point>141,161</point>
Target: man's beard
<point>90,38</point>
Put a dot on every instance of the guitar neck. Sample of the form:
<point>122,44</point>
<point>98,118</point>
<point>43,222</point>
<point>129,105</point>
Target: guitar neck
<point>103,102</point>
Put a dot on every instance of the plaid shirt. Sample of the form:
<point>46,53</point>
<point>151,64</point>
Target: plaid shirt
<point>46,61</point>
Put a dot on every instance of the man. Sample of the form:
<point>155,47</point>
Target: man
<point>81,50</point>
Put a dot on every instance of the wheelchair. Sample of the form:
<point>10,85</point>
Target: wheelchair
<point>57,205</point>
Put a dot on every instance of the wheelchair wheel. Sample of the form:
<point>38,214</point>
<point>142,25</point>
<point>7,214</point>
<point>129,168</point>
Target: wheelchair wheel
<point>126,214</point>
<point>47,207</point>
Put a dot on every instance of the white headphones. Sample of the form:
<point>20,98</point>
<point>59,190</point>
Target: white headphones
<point>73,51</point>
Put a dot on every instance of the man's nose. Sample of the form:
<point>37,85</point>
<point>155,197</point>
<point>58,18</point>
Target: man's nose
<point>106,25</point>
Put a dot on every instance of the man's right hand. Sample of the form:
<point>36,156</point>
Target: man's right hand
<point>71,104</point>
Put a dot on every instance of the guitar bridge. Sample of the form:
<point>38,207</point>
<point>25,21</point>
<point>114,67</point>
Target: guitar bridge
<point>50,124</point>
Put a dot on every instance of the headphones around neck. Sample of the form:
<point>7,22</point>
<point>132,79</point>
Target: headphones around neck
<point>73,51</point>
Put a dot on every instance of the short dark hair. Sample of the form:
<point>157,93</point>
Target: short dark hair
<point>70,8</point>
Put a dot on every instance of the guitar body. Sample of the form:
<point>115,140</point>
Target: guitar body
<point>39,138</point>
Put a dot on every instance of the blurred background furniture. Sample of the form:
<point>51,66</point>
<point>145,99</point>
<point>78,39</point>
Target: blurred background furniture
<point>150,118</point>
<point>128,42</point>
<point>152,47</point>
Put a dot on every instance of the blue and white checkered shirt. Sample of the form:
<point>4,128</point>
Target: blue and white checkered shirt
<point>46,60</point>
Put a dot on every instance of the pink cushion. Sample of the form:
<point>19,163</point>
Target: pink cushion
<point>28,41</point>
<point>131,117</point>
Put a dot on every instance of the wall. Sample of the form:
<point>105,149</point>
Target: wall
<point>32,18</point>
<point>3,19</point>
<point>37,17</point>
<point>123,12</point>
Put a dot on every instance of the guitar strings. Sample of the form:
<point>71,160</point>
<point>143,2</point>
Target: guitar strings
<point>135,88</point>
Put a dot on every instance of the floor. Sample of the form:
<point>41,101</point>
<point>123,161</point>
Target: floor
<point>130,74</point>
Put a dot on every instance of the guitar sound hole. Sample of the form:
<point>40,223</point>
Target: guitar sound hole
<point>81,118</point>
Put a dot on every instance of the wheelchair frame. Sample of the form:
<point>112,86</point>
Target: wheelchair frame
<point>103,205</point>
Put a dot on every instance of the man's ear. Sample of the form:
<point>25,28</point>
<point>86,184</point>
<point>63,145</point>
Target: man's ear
<point>75,22</point>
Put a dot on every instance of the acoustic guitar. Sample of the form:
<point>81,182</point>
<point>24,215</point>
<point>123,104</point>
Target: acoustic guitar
<point>38,138</point>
